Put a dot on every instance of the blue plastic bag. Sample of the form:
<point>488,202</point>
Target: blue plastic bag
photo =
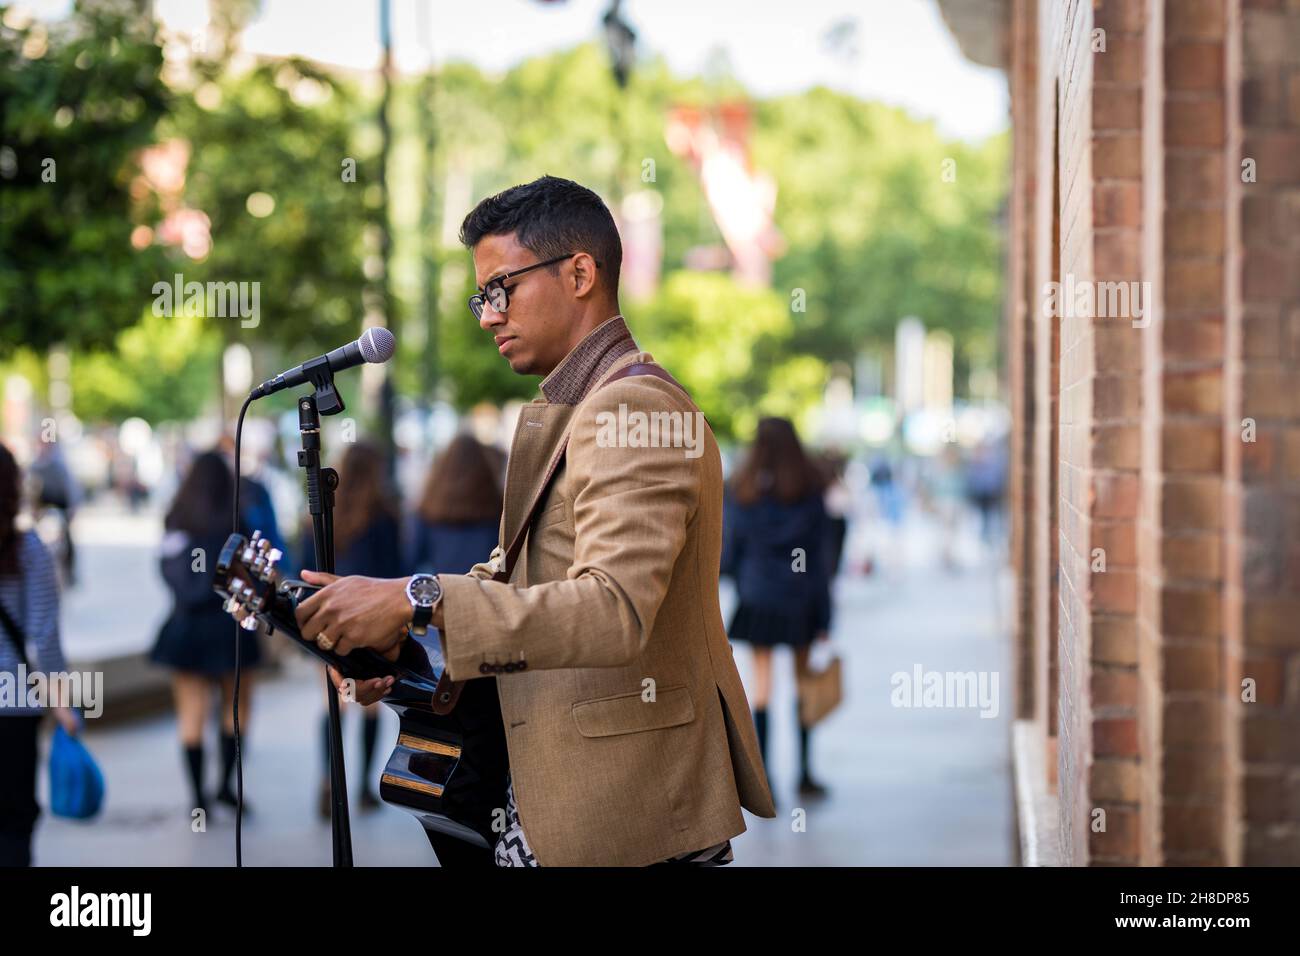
<point>76,784</point>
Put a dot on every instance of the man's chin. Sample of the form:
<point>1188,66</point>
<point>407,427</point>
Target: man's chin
<point>520,365</point>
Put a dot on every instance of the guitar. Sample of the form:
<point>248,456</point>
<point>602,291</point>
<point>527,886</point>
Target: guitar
<point>449,766</point>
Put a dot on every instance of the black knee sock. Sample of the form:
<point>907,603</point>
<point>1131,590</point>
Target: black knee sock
<point>194,761</point>
<point>804,733</point>
<point>760,725</point>
<point>227,762</point>
<point>369,736</point>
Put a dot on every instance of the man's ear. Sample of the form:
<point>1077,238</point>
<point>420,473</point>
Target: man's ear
<point>584,274</point>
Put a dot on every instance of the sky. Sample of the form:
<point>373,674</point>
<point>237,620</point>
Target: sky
<point>905,54</point>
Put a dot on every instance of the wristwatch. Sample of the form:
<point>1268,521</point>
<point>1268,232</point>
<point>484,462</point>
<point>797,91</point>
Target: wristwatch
<point>423,591</point>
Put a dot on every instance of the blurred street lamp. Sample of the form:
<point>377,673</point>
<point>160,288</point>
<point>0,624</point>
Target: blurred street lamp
<point>621,41</point>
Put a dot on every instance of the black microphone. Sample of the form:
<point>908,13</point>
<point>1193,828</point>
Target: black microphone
<point>375,345</point>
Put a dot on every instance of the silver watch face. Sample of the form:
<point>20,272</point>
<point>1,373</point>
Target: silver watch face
<point>424,590</point>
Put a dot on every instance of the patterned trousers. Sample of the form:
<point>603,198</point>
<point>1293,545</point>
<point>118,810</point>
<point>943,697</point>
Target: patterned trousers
<point>512,846</point>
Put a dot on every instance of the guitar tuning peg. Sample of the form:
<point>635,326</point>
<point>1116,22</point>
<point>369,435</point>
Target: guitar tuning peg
<point>257,535</point>
<point>267,571</point>
<point>263,544</point>
<point>230,605</point>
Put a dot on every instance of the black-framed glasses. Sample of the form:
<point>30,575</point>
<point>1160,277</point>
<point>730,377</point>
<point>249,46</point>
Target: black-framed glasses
<point>495,292</point>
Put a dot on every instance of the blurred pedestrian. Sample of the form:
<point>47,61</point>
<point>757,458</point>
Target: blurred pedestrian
<point>366,542</point>
<point>197,641</point>
<point>839,504</point>
<point>944,489</point>
<point>29,640</point>
<point>457,519</point>
<point>59,492</point>
<point>775,537</point>
<point>255,503</point>
<point>986,476</point>
<point>888,494</point>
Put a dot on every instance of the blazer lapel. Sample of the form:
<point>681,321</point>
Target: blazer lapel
<point>538,433</point>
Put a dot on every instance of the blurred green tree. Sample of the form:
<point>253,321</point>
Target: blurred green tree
<point>881,217</point>
<point>78,98</point>
<point>163,368</point>
<point>726,344</point>
<point>274,167</point>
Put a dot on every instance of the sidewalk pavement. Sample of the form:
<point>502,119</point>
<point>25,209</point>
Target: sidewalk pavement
<point>908,786</point>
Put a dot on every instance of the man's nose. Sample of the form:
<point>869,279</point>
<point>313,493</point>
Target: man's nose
<point>490,318</point>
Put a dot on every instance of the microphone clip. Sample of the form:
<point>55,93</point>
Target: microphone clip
<point>321,376</point>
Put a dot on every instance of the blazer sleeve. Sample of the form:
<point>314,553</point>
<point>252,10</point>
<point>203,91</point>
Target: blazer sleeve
<point>631,508</point>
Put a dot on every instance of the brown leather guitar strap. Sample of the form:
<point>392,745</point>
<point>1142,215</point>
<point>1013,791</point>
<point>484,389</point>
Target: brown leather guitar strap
<point>444,699</point>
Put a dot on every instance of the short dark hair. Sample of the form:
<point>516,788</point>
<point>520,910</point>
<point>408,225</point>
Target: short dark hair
<point>550,217</point>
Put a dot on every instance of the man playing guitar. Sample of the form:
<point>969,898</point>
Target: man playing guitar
<point>629,735</point>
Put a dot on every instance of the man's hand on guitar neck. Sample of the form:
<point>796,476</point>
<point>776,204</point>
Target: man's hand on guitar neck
<point>364,692</point>
<point>357,611</point>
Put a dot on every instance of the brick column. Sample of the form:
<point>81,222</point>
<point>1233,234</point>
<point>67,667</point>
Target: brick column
<point>1181,610</point>
<point>1110,561</point>
<point>1263,476</point>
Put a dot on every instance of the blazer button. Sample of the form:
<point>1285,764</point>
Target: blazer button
<point>510,667</point>
<point>485,668</point>
<point>497,668</point>
<point>522,665</point>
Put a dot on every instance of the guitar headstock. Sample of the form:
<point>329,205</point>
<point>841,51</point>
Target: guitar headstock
<point>246,576</point>
<point>256,593</point>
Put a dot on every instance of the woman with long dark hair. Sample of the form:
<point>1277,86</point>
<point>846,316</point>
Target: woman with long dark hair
<point>366,541</point>
<point>197,641</point>
<point>775,534</point>
<point>455,524</point>
<point>29,639</point>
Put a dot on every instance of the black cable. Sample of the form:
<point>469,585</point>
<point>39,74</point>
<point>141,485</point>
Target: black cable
<point>239,757</point>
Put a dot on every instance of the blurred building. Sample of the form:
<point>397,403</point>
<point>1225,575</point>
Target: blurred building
<point>1153,328</point>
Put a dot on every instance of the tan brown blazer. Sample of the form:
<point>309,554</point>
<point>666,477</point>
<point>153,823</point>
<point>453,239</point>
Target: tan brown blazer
<point>630,737</point>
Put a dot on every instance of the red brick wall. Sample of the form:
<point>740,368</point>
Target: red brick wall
<point>1114,421</point>
<point>1150,697</point>
<point>1065,82</point>
<point>1263,547</point>
<point>1030,663</point>
<point>1129,439</point>
<point>1182,522</point>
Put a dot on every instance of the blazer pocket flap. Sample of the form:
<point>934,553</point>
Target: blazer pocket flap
<point>553,515</point>
<point>629,713</point>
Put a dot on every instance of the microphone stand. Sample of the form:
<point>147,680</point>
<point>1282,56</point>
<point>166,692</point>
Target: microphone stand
<point>321,484</point>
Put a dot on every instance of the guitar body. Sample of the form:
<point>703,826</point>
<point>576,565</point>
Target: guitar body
<point>450,765</point>
<point>449,770</point>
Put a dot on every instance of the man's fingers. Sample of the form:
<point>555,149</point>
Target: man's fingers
<point>368,691</point>
<point>319,577</point>
<point>309,609</point>
<point>376,690</point>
